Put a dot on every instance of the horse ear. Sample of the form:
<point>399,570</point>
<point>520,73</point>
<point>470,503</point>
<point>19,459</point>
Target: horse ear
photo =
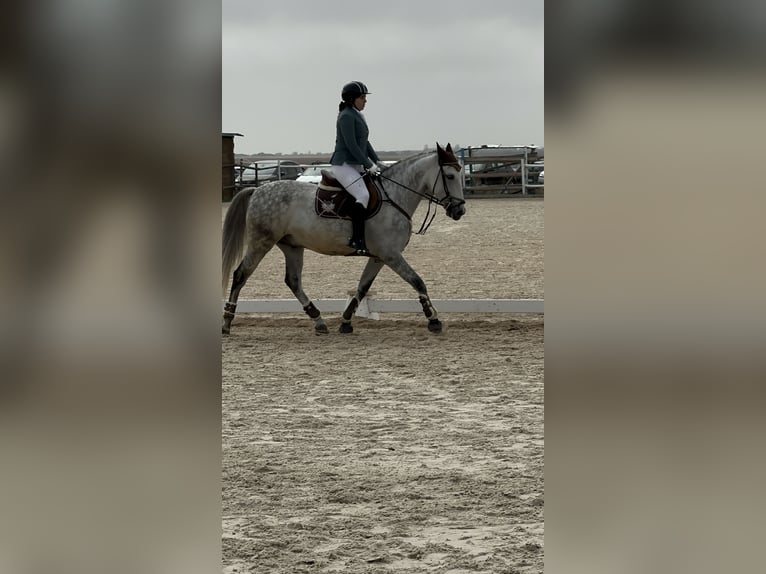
<point>438,147</point>
<point>449,147</point>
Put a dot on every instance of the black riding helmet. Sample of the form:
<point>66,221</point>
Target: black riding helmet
<point>352,91</point>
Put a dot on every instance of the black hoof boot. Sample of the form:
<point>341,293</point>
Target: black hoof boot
<point>434,325</point>
<point>346,328</point>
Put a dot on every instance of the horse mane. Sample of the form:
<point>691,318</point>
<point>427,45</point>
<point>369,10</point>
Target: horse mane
<point>411,158</point>
<point>418,155</point>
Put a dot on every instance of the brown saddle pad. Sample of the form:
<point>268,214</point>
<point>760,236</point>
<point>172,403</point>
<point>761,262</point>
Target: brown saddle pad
<point>333,201</point>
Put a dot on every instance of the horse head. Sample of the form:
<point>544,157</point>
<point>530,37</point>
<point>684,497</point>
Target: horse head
<point>452,186</point>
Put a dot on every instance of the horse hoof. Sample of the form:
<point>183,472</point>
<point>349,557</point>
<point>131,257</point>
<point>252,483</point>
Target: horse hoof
<point>225,330</point>
<point>435,326</point>
<point>346,328</point>
<point>321,329</point>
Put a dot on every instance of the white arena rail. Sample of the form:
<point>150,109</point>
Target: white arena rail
<point>370,307</point>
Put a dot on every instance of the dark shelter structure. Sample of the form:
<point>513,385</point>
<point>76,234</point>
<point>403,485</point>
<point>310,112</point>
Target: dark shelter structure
<point>227,166</point>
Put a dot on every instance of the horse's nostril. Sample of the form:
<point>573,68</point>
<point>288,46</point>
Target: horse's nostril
<point>455,211</point>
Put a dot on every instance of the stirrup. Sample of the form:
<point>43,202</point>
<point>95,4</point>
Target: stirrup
<point>359,247</point>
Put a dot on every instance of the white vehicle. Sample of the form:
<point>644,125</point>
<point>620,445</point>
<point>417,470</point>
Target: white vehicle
<point>313,173</point>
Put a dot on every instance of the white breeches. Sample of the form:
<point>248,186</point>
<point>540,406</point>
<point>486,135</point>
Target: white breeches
<point>350,177</point>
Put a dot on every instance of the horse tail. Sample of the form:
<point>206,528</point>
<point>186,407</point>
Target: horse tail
<point>234,233</point>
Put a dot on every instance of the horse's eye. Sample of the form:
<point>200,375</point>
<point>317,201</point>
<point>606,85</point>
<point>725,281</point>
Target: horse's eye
<point>450,176</point>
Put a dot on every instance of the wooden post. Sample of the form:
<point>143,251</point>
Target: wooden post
<point>227,166</point>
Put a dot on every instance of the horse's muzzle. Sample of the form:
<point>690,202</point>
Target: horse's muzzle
<point>456,209</point>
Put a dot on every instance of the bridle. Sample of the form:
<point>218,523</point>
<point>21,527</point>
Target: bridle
<point>448,202</point>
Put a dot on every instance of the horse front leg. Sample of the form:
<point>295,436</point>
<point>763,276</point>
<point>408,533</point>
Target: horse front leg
<point>293,273</point>
<point>369,274</point>
<point>403,269</point>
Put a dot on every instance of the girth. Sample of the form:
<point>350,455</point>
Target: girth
<point>333,201</point>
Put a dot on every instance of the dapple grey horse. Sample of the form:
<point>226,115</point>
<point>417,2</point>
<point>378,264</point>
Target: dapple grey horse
<point>282,213</point>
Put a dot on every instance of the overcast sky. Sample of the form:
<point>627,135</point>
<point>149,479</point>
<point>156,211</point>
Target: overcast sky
<point>469,73</point>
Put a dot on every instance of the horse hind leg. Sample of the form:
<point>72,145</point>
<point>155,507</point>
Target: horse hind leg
<point>293,273</point>
<point>369,274</point>
<point>239,278</point>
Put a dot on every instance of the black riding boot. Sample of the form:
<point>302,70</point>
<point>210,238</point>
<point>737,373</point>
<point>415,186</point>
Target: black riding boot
<point>358,214</point>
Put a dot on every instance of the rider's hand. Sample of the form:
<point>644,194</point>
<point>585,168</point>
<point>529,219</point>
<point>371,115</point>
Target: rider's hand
<point>373,170</point>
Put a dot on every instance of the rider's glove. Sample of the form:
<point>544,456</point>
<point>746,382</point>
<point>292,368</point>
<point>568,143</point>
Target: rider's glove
<point>373,170</point>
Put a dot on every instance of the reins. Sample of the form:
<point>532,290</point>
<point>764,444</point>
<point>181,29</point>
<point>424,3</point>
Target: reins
<point>388,198</point>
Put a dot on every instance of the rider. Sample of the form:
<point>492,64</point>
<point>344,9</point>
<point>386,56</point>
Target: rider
<point>353,156</point>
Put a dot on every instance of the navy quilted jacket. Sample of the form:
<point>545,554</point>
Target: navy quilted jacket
<point>351,143</point>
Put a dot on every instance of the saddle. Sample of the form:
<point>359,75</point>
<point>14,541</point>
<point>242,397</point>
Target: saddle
<point>333,201</point>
